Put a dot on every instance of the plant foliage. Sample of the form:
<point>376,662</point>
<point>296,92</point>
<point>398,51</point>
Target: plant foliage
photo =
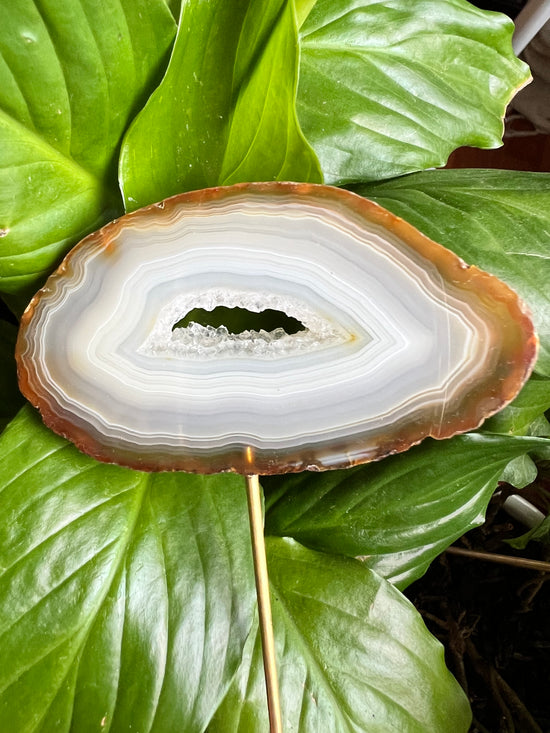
<point>126,599</point>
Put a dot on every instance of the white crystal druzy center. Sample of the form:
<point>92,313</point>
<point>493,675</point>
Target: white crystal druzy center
<point>196,340</point>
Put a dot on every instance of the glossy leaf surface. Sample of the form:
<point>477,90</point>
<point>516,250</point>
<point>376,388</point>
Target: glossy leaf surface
<point>518,417</point>
<point>388,86</point>
<point>401,513</point>
<point>524,416</point>
<point>520,472</point>
<point>497,220</point>
<point>125,598</point>
<point>354,655</point>
<point>224,112</point>
<point>72,75</point>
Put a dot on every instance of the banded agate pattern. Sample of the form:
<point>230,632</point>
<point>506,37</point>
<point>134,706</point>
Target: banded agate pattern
<point>401,339</point>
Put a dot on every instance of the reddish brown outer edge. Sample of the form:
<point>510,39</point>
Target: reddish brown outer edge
<point>519,350</point>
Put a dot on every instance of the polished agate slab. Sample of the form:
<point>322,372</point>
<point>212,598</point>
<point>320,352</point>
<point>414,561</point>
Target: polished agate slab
<point>400,340</point>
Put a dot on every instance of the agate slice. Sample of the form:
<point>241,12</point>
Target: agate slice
<point>399,340</point>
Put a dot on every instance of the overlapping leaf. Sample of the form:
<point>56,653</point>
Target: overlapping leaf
<point>524,416</point>
<point>354,656</point>
<point>497,220</point>
<point>518,417</point>
<point>388,86</point>
<point>175,8</point>
<point>72,75</point>
<point>125,598</point>
<point>224,112</point>
<point>400,513</point>
<point>537,534</point>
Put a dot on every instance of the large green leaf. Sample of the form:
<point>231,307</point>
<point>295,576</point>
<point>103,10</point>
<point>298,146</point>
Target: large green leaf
<point>10,397</point>
<point>400,513</point>
<point>72,74</point>
<point>354,656</point>
<point>224,111</point>
<point>125,598</point>
<point>392,86</point>
<point>497,220</point>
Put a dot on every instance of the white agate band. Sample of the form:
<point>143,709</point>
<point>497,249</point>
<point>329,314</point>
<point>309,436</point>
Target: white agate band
<point>401,339</point>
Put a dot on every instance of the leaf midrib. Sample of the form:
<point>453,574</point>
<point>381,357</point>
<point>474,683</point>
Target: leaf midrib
<point>391,48</point>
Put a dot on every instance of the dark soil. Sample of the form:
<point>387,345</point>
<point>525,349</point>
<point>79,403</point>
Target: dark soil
<point>494,621</point>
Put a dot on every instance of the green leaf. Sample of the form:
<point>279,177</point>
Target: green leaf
<point>224,112</point>
<point>72,75</point>
<point>125,598</point>
<point>400,513</point>
<point>541,533</point>
<point>516,419</point>
<point>524,416</point>
<point>497,220</point>
<point>354,655</point>
<point>175,7</point>
<point>10,397</point>
<point>540,427</point>
<point>303,9</point>
<point>47,203</point>
<point>520,472</point>
<point>388,86</point>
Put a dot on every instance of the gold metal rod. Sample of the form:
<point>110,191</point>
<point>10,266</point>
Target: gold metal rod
<point>518,562</point>
<point>264,604</point>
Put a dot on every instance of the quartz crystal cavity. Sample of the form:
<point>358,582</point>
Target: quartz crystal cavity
<point>197,340</point>
<point>400,339</point>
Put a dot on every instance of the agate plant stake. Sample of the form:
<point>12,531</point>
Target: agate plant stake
<point>255,516</point>
<point>401,340</point>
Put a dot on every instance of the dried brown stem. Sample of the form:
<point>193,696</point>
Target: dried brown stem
<point>520,562</point>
